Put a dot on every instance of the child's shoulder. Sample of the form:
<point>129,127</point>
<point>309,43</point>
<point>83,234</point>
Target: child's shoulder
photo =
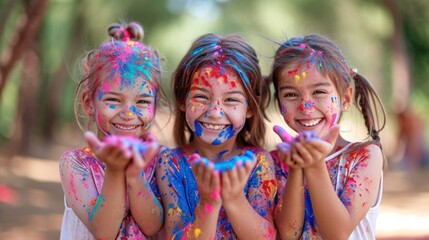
<point>260,153</point>
<point>78,153</point>
<point>363,148</point>
<point>170,152</point>
<point>80,156</point>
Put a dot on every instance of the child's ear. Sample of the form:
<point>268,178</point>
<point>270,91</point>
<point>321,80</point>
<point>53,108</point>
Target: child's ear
<point>347,99</point>
<point>182,107</point>
<point>88,104</point>
<point>249,114</point>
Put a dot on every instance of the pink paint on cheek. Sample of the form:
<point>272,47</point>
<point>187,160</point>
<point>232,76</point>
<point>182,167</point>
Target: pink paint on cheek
<point>333,120</point>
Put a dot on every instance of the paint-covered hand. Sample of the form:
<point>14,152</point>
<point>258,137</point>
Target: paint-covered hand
<point>111,151</point>
<point>309,151</point>
<point>284,148</point>
<point>233,182</point>
<point>208,181</point>
<point>143,153</point>
<point>226,165</point>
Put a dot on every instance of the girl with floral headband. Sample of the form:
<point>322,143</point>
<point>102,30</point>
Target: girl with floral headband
<point>329,188</point>
<point>219,183</point>
<point>109,186</point>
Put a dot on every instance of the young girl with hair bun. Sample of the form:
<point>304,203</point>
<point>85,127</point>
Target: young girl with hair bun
<point>109,186</point>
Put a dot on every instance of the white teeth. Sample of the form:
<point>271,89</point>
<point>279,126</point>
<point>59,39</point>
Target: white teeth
<point>125,128</point>
<point>214,127</point>
<point>310,123</point>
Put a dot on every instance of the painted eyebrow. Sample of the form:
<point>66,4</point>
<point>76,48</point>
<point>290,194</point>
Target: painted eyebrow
<point>237,92</point>
<point>199,89</point>
<point>317,84</point>
<point>207,91</point>
<point>146,95</point>
<point>120,94</point>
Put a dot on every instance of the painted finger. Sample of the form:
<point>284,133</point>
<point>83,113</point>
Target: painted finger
<point>92,140</point>
<point>283,134</point>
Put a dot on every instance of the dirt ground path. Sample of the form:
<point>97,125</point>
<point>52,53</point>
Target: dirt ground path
<point>31,202</point>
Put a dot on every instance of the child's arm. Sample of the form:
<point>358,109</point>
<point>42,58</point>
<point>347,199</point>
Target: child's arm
<point>178,223</point>
<point>289,212</point>
<point>251,218</point>
<point>102,213</point>
<point>145,207</point>
<point>338,216</point>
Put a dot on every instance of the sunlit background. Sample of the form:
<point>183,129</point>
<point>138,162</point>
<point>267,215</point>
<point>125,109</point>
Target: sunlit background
<point>42,43</point>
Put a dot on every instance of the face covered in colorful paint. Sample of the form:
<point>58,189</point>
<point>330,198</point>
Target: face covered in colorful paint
<point>124,106</point>
<point>308,100</point>
<point>216,106</point>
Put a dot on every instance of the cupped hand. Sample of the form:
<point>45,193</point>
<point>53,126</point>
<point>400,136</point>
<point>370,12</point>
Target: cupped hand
<point>208,181</point>
<point>284,148</point>
<point>233,182</point>
<point>141,156</point>
<point>111,151</point>
<point>308,153</point>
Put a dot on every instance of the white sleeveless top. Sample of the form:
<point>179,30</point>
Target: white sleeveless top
<point>365,230</point>
<point>72,227</point>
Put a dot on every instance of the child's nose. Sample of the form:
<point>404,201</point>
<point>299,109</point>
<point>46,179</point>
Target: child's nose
<point>128,112</point>
<point>214,110</point>
<point>307,106</point>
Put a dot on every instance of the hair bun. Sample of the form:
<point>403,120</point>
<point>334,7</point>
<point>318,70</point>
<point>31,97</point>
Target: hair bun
<point>135,31</point>
<point>116,31</point>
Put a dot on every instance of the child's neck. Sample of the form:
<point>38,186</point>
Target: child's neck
<point>341,142</point>
<point>215,153</point>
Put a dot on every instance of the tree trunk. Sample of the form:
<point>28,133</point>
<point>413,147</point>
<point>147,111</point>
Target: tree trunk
<point>26,30</point>
<point>401,73</point>
<point>26,116</point>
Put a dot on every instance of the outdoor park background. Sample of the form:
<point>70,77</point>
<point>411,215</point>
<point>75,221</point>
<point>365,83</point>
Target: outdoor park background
<point>42,41</point>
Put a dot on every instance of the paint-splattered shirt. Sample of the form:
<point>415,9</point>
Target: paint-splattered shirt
<point>260,190</point>
<point>343,167</point>
<point>81,164</point>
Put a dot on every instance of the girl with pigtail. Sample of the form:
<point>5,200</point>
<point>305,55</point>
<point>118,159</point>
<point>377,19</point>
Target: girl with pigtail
<point>329,188</point>
<point>109,186</point>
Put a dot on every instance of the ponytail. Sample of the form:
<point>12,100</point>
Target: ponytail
<point>369,104</point>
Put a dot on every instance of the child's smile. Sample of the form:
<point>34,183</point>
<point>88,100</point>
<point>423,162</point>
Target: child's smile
<point>308,100</point>
<point>216,107</point>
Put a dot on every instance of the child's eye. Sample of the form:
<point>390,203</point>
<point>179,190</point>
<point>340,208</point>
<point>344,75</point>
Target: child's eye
<point>144,101</point>
<point>111,99</point>
<point>232,100</point>
<point>319,92</point>
<point>200,97</point>
<point>290,95</point>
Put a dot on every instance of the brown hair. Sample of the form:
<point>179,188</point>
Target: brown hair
<point>235,54</point>
<point>330,62</point>
<point>123,54</point>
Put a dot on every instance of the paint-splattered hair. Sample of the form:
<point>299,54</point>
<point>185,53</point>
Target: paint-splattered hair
<point>231,52</point>
<point>122,54</point>
<point>315,49</point>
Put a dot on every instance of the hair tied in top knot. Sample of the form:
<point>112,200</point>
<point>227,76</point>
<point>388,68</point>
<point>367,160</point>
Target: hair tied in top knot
<point>132,32</point>
<point>353,72</point>
<point>135,31</point>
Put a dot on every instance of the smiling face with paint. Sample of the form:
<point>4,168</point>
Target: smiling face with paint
<point>308,100</point>
<point>216,107</point>
<point>124,107</point>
